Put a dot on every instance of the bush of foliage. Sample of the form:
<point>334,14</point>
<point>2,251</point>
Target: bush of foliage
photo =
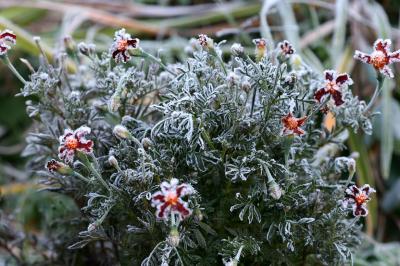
<point>209,161</point>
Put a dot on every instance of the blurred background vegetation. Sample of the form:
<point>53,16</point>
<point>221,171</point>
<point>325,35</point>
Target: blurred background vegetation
<point>325,34</point>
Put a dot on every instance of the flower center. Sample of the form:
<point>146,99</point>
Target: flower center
<point>379,59</point>
<point>331,86</point>
<point>361,198</point>
<point>291,123</point>
<point>122,45</point>
<point>171,198</point>
<point>71,143</point>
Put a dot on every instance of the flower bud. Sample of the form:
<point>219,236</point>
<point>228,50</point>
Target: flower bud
<point>121,132</point>
<point>59,167</point>
<point>198,214</point>
<point>205,41</point>
<point>146,143</point>
<point>69,44</point>
<point>245,85</point>
<point>345,163</point>
<point>274,190</point>
<point>230,262</point>
<point>83,48</point>
<point>232,79</point>
<point>92,227</point>
<point>113,161</point>
<point>115,103</point>
<point>173,237</point>
<point>297,62</point>
<point>237,49</point>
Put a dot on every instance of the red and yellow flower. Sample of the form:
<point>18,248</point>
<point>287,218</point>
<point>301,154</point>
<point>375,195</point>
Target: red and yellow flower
<point>73,141</point>
<point>381,57</point>
<point>169,199</point>
<point>358,198</point>
<point>291,125</point>
<point>286,48</point>
<point>334,83</point>
<point>122,42</point>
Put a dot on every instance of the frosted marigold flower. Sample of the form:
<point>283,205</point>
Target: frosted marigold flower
<point>261,48</point>
<point>73,141</point>
<point>291,125</point>
<point>6,36</point>
<point>381,57</point>
<point>122,42</point>
<point>358,198</point>
<point>286,48</point>
<point>169,199</point>
<point>59,167</point>
<point>333,86</point>
<point>205,41</point>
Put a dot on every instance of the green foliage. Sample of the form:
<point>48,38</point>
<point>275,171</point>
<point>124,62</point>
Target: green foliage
<point>260,196</point>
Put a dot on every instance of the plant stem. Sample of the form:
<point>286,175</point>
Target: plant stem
<point>78,175</point>
<point>158,61</point>
<point>207,138</point>
<point>377,91</point>
<point>7,61</point>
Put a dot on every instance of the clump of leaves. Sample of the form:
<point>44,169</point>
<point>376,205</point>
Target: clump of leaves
<point>199,162</point>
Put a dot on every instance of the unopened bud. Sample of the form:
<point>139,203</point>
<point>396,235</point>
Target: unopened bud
<point>274,190</point>
<point>83,48</point>
<point>198,214</point>
<point>121,132</point>
<point>297,62</point>
<point>59,167</point>
<point>237,49</point>
<point>230,262</point>
<point>146,143</point>
<point>69,44</point>
<point>113,161</point>
<point>245,85</point>
<point>92,227</point>
<point>173,237</point>
<point>114,103</point>
<point>232,79</point>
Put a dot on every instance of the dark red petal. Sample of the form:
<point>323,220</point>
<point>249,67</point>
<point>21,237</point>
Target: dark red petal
<point>301,121</point>
<point>350,196</point>
<point>342,78</point>
<point>179,190</point>
<point>8,34</point>
<point>298,131</point>
<point>132,42</point>
<point>159,197</point>
<point>319,93</point>
<point>61,149</point>
<point>115,53</point>
<point>360,210</point>
<point>161,212</point>
<point>382,46</point>
<point>329,75</point>
<point>337,97</point>
<point>182,209</point>
<point>86,146</point>
<point>66,136</point>
<point>3,49</point>
<point>125,56</point>
<point>354,189</point>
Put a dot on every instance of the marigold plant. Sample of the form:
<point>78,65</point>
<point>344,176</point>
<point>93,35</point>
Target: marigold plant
<point>208,161</point>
